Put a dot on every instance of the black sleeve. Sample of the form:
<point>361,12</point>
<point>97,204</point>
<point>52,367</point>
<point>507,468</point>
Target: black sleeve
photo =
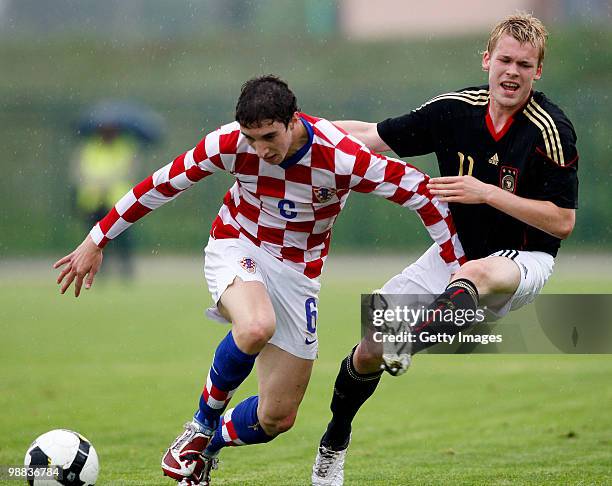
<point>558,167</point>
<point>414,133</point>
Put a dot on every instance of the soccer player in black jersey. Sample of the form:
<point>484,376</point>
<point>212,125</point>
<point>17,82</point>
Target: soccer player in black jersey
<point>508,165</point>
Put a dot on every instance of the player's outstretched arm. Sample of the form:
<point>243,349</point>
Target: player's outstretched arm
<point>156,190</point>
<point>82,264</point>
<point>168,182</point>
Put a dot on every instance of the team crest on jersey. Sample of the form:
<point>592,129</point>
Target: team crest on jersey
<point>508,177</point>
<point>248,264</point>
<point>323,194</point>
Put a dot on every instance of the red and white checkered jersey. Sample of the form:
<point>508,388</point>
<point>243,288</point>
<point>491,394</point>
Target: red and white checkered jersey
<point>289,212</point>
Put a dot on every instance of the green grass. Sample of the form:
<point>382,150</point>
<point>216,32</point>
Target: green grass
<point>125,365</point>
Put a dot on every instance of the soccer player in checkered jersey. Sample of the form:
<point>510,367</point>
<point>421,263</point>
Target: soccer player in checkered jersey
<point>508,161</point>
<point>265,254</point>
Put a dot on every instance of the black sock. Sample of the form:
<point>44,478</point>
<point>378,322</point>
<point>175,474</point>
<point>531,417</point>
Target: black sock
<point>351,391</point>
<point>460,294</point>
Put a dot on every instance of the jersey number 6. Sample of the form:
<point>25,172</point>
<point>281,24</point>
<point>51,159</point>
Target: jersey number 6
<point>311,314</point>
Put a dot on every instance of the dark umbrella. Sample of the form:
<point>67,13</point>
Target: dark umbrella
<point>126,116</point>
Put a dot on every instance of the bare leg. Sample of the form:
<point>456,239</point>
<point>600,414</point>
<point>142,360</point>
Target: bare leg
<point>283,379</point>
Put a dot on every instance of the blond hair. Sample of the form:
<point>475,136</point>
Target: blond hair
<point>524,27</point>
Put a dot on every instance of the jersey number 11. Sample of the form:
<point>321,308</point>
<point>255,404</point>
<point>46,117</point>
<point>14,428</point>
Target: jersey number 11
<point>470,164</point>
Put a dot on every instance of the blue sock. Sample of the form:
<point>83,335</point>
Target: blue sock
<point>229,369</point>
<point>239,426</point>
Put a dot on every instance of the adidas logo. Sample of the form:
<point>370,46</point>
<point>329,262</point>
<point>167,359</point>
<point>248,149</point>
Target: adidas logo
<point>494,160</point>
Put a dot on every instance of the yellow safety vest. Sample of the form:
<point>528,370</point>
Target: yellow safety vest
<point>104,171</point>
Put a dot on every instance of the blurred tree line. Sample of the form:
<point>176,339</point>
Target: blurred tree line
<point>193,81</point>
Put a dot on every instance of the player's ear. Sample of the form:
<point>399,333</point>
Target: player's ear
<point>294,119</point>
<point>486,61</point>
<point>538,73</point>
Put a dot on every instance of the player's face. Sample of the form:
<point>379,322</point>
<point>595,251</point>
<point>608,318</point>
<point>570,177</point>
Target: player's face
<point>512,67</point>
<point>271,140</point>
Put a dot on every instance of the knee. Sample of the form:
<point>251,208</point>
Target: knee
<point>491,275</point>
<point>254,333</point>
<point>367,358</point>
<point>277,423</point>
<point>261,330</point>
<point>477,272</point>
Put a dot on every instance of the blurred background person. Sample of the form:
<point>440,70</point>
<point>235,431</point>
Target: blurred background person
<point>106,164</point>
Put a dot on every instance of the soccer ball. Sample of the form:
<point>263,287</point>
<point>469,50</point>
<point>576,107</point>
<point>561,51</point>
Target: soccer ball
<point>73,454</point>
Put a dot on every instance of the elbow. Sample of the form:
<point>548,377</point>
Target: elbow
<point>564,231</point>
<point>565,224</point>
<point>565,228</point>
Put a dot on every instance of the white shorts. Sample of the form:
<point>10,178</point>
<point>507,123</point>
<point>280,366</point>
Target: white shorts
<point>294,296</point>
<point>430,275</point>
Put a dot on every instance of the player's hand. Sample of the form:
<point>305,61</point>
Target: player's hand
<point>82,264</point>
<point>460,189</point>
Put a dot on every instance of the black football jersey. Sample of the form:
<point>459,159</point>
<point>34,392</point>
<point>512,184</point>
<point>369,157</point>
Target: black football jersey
<point>533,156</point>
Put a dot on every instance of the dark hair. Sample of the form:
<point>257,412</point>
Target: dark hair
<point>265,98</point>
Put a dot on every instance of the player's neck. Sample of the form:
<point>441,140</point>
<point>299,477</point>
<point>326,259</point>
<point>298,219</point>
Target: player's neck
<point>500,114</point>
<point>299,137</point>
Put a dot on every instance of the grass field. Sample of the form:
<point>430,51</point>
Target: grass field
<point>124,366</point>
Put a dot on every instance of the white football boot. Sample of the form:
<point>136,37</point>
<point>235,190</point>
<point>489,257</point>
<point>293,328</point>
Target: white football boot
<point>328,469</point>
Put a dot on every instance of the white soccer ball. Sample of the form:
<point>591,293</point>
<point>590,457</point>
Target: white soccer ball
<point>74,455</point>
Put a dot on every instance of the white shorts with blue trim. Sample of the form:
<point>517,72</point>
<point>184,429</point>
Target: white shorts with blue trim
<point>294,296</point>
<point>430,275</point>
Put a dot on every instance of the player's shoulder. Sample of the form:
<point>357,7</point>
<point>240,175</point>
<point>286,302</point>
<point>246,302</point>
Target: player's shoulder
<point>556,132</point>
<point>226,137</point>
<point>465,100</point>
<point>334,150</point>
<point>330,135</point>
<point>221,146</point>
<point>230,127</point>
<point>542,108</point>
